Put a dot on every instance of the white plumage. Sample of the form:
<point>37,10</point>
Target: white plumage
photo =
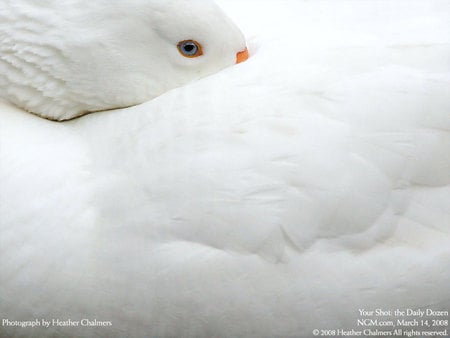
<point>63,59</point>
<point>273,198</point>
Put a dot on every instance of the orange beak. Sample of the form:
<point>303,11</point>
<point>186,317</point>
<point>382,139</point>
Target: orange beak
<point>242,56</point>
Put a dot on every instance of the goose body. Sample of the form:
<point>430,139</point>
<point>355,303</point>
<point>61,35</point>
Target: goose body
<point>280,196</point>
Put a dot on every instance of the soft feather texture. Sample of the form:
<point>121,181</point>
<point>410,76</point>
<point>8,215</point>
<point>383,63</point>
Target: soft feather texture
<point>63,59</point>
<point>271,199</point>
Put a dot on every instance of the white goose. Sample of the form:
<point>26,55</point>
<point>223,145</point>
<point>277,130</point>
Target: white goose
<point>277,197</point>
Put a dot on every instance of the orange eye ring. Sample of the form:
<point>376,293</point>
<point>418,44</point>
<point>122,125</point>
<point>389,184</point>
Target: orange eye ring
<point>190,48</point>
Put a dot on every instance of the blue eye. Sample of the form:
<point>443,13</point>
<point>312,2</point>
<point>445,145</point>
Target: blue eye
<point>190,48</point>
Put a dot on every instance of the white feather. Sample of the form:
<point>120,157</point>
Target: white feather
<point>276,197</point>
<point>63,59</point>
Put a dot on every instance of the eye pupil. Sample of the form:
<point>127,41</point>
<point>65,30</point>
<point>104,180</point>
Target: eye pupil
<point>190,48</point>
